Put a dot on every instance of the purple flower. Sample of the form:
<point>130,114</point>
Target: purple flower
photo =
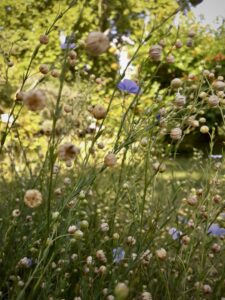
<point>118,254</point>
<point>216,230</point>
<point>174,233</point>
<point>129,86</point>
<point>67,45</point>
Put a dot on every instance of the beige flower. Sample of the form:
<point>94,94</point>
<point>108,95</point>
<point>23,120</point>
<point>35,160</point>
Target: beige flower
<point>33,198</point>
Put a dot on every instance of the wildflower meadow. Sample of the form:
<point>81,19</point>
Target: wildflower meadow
<point>112,136</point>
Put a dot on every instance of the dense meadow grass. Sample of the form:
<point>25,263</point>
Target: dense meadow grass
<point>97,199</point>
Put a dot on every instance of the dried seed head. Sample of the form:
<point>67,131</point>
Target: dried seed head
<point>213,100</point>
<point>97,43</point>
<point>33,198</point>
<point>207,289</point>
<point>178,44</point>
<point>44,69</point>
<point>176,134</point>
<point>34,100</point>
<point>216,248</point>
<point>146,296</point>
<point>72,54</point>
<point>161,253</point>
<point>68,151</point>
<point>155,53</point>
<point>218,85</point>
<point>72,229</point>
<point>180,100</point>
<point>176,83</point>
<point>192,200</point>
<point>44,39</point>
<point>99,112</point>
<point>55,73</point>
<point>170,59</point>
<point>191,33</point>
<point>110,160</point>
<point>72,62</point>
<point>185,240</point>
<point>189,43</point>
<point>217,199</point>
<point>67,108</point>
<point>19,96</point>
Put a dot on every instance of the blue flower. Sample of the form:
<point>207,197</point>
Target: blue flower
<point>129,86</point>
<point>216,230</point>
<point>175,233</point>
<point>118,254</point>
<point>67,46</point>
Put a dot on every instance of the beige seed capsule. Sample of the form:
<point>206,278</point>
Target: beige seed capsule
<point>44,69</point>
<point>176,83</point>
<point>213,100</point>
<point>33,198</point>
<point>178,44</point>
<point>155,52</point>
<point>176,133</point>
<point>97,43</point>
<point>121,291</point>
<point>170,59</point>
<point>55,73</point>
<point>192,200</point>
<point>204,129</point>
<point>180,100</point>
<point>34,100</point>
<point>44,39</point>
<point>99,112</point>
<point>110,160</point>
<point>161,253</point>
<point>219,85</point>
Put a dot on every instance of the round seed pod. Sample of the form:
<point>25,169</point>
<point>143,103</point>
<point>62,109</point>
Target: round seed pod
<point>176,83</point>
<point>192,200</point>
<point>110,160</point>
<point>34,100</point>
<point>189,43</point>
<point>191,33</point>
<point>72,54</point>
<point>121,291</point>
<point>213,100</point>
<point>170,59</point>
<point>155,52</point>
<point>219,85</point>
<point>180,100</point>
<point>44,39</point>
<point>99,112</point>
<point>204,129</point>
<point>178,44</point>
<point>96,43</point>
<point>44,69</point>
<point>55,73</point>
<point>162,43</point>
<point>176,134</point>
<point>161,253</point>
